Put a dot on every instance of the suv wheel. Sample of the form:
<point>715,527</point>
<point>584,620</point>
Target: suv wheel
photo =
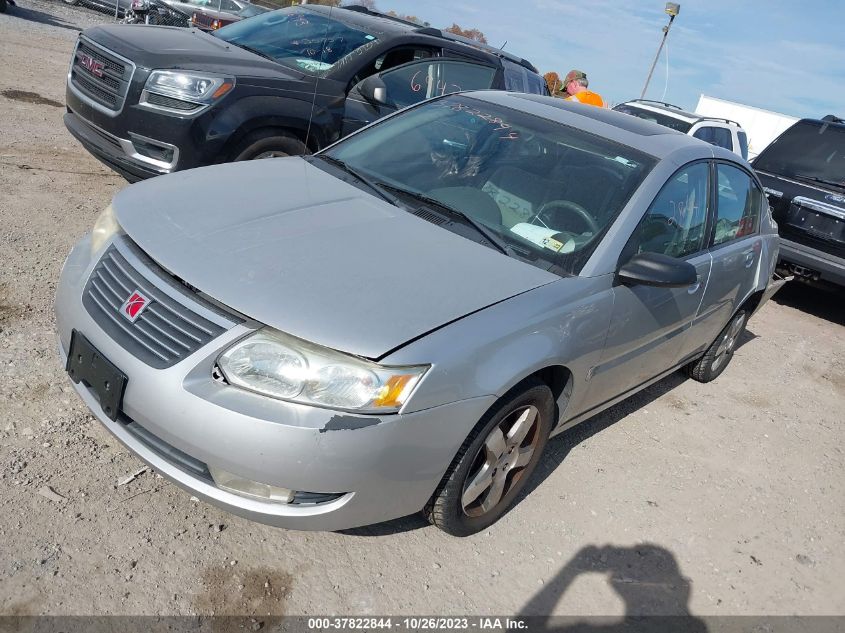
<point>268,144</point>
<point>495,462</point>
<point>719,354</point>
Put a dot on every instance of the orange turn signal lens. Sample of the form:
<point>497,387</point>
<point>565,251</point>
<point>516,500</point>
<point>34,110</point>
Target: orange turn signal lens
<point>396,390</point>
<point>225,87</point>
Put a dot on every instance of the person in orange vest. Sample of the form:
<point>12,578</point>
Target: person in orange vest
<point>575,85</point>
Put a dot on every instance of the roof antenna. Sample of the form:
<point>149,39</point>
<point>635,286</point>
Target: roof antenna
<point>317,82</point>
<point>502,47</point>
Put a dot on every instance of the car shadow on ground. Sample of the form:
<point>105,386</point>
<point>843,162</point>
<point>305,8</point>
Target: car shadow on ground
<point>646,577</point>
<point>34,15</point>
<point>823,302</point>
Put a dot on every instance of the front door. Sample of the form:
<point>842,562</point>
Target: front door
<point>411,83</point>
<point>649,323</point>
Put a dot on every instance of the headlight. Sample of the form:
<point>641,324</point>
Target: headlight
<point>104,229</point>
<point>281,366</point>
<point>186,86</point>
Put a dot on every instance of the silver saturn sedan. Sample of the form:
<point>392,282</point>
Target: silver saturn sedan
<point>399,322</point>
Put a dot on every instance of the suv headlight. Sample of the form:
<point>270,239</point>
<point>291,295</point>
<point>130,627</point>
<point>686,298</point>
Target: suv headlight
<point>281,366</point>
<point>104,229</point>
<point>193,88</point>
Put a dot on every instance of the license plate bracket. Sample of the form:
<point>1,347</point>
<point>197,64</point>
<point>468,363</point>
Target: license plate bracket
<point>87,365</point>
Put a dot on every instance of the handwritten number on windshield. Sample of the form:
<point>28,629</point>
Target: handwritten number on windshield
<point>509,133</point>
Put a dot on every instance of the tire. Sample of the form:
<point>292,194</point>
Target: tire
<point>454,508</point>
<point>268,144</point>
<point>720,352</point>
<point>72,3</point>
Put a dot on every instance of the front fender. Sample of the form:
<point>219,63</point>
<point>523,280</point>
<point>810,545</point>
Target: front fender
<point>563,324</point>
<point>254,112</point>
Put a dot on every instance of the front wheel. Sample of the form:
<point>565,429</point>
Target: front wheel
<point>268,144</point>
<point>720,352</point>
<point>495,462</point>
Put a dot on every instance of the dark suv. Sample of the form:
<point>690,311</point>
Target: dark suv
<point>803,172</point>
<point>152,100</point>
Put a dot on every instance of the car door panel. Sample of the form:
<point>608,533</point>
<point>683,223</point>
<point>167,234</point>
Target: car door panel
<point>736,247</point>
<point>415,82</point>
<point>649,325</point>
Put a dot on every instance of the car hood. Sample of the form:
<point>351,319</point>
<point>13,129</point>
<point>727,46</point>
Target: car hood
<point>184,49</point>
<point>291,246</point>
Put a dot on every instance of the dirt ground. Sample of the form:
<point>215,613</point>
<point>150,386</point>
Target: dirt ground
<point>726,498</point>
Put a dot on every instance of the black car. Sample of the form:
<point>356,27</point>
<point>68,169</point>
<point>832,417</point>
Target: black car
<point>152,100</point>
<point>803,172</point>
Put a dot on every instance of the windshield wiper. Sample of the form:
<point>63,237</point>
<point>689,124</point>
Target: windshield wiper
<point>820,180</point>
<point>374,186</point>
<point>495,241</point>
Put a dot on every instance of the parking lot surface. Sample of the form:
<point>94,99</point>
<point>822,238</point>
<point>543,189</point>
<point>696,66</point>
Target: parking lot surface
<point>724,498</point>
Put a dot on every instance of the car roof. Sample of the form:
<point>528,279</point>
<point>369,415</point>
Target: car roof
<point>375,21</point>
<point>653,139</point>
<point>677,112</point>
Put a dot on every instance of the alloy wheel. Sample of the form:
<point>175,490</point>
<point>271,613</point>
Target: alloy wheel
<point>501,461</point>
<point>728,342</point>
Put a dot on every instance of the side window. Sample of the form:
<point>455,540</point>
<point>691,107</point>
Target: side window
<point>417,82</point>
<point>675,222</point>
<point>392,58</point>
<point>228,5</point>
<point>738,204</point>
<point>715,136</point>
<point>743,143</point>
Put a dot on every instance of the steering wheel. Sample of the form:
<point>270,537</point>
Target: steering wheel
<point>571,208</point>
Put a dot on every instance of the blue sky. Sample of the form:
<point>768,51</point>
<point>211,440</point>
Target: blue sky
<point>781,55</point>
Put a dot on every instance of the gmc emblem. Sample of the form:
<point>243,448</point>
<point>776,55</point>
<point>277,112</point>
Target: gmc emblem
<point>91,65</point>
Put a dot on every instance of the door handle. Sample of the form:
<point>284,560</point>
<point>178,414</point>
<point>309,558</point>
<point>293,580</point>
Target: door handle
<point>694,288</point>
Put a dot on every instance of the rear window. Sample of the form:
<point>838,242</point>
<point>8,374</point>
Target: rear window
<point>655,117</point>
<point>718,136</point>
<point>520,79</point>
<point>813,150</point>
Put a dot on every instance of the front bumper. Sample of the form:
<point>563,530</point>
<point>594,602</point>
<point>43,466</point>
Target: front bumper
<point>114,152</point>
<point>387,466</point>
<point>812,263</point>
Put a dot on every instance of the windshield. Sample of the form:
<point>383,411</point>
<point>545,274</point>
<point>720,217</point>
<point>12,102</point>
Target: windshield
<point>655,117</point>
<point>809,149</point>
<point>251,10</point>
<point>299,38</point>
<point>546,190</point>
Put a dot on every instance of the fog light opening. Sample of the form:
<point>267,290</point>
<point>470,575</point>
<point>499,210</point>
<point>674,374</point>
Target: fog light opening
<point>249,488</point>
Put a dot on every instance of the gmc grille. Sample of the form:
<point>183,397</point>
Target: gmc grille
<point>100,75</point>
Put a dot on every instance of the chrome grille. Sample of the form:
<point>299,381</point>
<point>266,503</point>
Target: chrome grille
<point>109,85</point>
<point>167,330</point>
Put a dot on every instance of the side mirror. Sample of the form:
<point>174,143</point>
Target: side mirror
<point>656,269</point>
<point>374,90</point>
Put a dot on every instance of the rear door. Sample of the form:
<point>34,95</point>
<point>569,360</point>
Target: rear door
<point>412,83</point>
<point>736,248</point>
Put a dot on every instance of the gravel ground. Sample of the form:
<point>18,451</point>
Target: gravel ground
<point>724,498</point>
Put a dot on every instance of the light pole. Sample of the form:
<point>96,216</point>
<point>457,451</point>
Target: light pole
<point>672,9</point>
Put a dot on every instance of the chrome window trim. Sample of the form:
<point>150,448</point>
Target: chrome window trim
<point>820,207</point>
